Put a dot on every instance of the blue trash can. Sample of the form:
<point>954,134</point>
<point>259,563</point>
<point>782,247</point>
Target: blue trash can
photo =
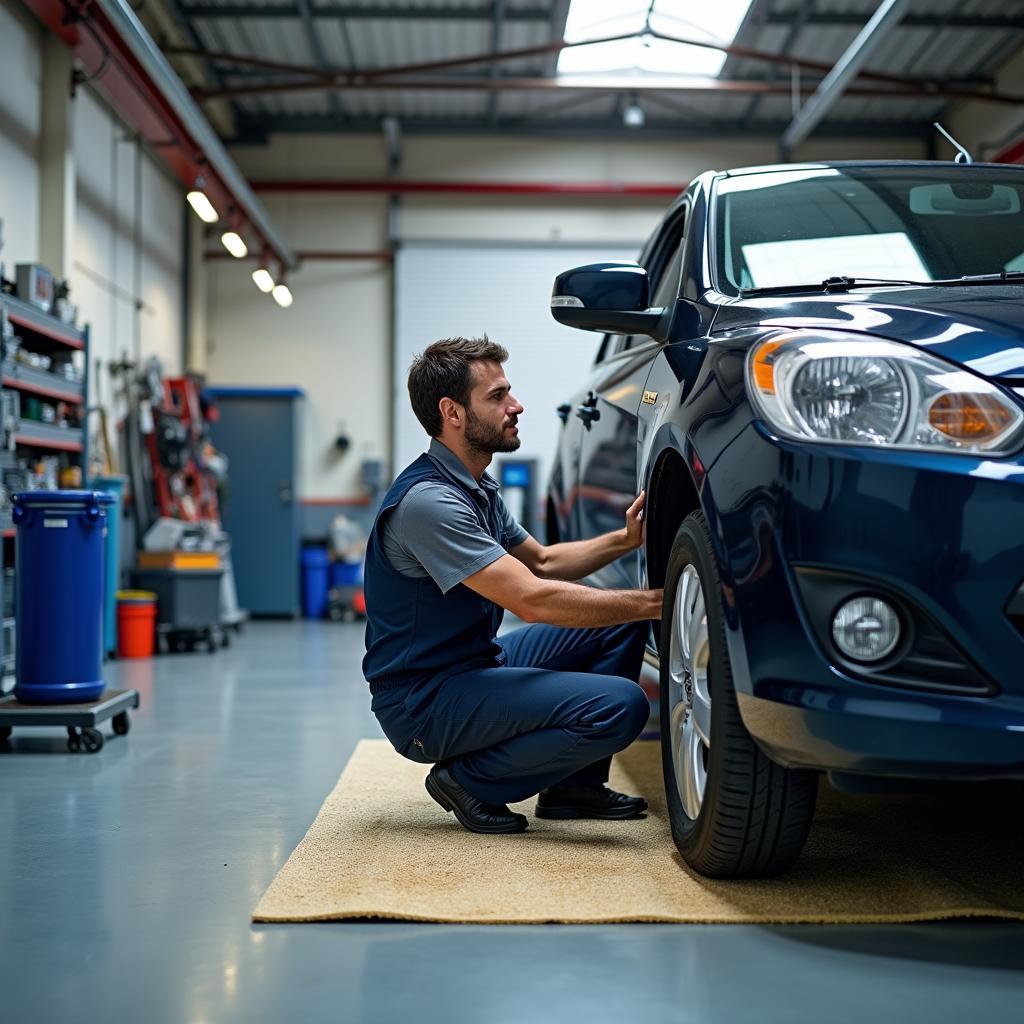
<point>60,549</point>
<point>346,574</point>
<point>315,573</point>
<point>114,485</point>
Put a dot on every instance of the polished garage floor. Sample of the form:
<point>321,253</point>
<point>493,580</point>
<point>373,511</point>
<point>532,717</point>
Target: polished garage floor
<point>128,877</point>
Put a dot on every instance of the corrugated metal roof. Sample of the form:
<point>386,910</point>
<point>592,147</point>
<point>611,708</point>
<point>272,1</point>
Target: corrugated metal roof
<point>936,40</point>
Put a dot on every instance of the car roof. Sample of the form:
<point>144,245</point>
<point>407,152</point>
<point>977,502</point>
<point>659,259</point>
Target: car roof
<point>815,164</point>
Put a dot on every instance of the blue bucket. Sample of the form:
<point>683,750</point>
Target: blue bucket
<point>346,574</point>
<point>60,583</point>
<point>113,485</point>
<point>315,575</point>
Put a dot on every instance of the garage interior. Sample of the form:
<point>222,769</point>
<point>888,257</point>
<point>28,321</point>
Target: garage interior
<point>227,227</point>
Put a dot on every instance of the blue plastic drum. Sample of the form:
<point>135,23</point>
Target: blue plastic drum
<point>60,583</point>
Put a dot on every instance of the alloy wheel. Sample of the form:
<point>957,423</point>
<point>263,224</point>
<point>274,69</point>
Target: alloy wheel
<point>689,697</point>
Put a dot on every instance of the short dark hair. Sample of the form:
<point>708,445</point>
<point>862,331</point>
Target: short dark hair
<point>442,370</point>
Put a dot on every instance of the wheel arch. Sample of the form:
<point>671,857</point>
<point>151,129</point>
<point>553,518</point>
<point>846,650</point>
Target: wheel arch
<point>672,494</point>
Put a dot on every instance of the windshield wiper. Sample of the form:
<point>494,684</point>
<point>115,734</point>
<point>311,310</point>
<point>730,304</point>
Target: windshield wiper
<point>833,284</point>
<point>1003,277</point>
<point>844,284</point>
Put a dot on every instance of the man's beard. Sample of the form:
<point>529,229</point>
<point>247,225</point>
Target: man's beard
<point>487,439</point>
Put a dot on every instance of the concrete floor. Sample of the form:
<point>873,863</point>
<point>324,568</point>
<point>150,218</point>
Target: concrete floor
<point>129,876</point>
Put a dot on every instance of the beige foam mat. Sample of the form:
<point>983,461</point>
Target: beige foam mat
<point>381,848</point>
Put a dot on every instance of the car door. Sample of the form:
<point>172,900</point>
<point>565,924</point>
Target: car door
<point>562,485</point>
<point>608,412</point>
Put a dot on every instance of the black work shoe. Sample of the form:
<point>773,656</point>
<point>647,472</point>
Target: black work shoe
<point>493,819</point>
<point>588,802</point>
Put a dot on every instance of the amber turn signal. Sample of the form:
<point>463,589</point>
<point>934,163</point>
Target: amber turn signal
<point>764,366</point>
<point>969,417</point>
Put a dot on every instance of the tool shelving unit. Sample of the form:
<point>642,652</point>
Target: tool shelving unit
<point>21,438</point>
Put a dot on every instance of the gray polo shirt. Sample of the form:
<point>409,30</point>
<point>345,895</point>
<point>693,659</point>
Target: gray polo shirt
<point>432,533</point>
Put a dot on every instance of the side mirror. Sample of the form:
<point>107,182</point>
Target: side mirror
<point>607,297</point>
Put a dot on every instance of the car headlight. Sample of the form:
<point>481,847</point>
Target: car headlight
<point>822,386</point>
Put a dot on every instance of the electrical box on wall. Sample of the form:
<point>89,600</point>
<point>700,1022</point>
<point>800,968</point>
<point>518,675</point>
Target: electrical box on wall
<point>34,284</point>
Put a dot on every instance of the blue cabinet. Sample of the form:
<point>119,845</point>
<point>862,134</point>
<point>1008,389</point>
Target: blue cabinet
<point>259,432</point>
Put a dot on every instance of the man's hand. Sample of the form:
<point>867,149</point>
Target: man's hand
<point>635,522</point>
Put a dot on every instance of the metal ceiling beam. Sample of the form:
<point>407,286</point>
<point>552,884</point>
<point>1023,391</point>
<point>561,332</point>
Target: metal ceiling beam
<point>376,12</point>
<point>610,84</point>
<point>153,64</point>
<point>827,19</point>
<point>800,19</point>
<point>341,77</point>
<point>845,71</point>
<point>496,24</point>
<point>256,130</point>
<point>317,50</point>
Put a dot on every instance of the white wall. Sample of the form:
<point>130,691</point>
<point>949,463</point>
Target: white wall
<point>987,128</point>
<point>335,341</point>
<point>20,98</point>
<point>106,276</point>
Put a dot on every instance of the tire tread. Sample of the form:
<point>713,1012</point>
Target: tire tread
<point>756,814</point>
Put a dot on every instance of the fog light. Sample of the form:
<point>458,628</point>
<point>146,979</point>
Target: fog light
<point>866,629</point>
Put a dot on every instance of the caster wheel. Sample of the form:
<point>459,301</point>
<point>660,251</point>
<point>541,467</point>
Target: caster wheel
<point>121,723</point>
<point>92,740</point>
<point>5,733</point>
<point>74,743</point>
<point>211,644</point>
<point>225,639</point>
<point>238,628</point>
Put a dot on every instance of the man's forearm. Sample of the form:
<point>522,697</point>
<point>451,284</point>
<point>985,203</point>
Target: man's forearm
<point>570,604</point>
<point>572,560</point>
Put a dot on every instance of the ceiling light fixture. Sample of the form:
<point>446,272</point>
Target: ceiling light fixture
<point>263,280</point>
<point>235,244</point>
<point>633,116</point>
<point>282,295</point>
<point>201,204</point>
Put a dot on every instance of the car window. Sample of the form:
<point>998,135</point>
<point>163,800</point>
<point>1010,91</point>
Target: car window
<point>664,269</point>
<point>804,225</point>
<point>668,287</point>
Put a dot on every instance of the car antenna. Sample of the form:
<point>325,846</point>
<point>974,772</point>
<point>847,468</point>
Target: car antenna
<point>962,156</point>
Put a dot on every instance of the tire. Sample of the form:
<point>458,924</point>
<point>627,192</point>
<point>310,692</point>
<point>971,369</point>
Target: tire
<point>748,817</point>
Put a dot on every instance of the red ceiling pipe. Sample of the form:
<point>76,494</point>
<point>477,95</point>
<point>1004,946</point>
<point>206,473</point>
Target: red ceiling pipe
<point>110,66</point>
<point>480,188</point>
<point>325,255</point>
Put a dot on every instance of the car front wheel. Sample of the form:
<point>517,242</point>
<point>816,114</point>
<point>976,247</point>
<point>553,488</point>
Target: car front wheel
<point>734,813</point>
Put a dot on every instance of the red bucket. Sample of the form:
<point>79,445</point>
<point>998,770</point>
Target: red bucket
<point>136,623</point>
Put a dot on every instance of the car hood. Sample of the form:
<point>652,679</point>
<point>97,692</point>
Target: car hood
<point>980,327</point>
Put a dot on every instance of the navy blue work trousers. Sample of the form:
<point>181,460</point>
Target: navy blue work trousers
<point>565,701</point>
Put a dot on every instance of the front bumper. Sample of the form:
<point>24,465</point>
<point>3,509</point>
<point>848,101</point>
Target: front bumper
<point>946,532</point>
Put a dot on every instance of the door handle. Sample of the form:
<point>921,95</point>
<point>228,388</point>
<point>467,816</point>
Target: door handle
<point>588,415</point>
<point>590,401</point>
<point>563,411</point>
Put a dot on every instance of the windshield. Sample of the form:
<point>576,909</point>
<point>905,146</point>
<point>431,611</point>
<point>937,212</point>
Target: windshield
<point>804,225</point>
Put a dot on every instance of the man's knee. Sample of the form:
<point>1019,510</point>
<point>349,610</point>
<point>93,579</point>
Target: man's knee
<point>623,710</point>
<point>638,709</point>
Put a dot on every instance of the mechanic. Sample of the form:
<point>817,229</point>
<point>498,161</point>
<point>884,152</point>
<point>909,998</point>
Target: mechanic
<point>542,709</point>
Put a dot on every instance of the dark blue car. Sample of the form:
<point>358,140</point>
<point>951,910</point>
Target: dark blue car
<point>816,372</point>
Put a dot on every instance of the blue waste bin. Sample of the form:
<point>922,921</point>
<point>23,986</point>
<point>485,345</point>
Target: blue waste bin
<point>315,574</point>
<point>114,485</point>
<point>346,574</point>
<point>60,581</point>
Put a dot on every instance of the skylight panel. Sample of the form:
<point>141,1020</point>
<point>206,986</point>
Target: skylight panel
<point>714,21</point>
